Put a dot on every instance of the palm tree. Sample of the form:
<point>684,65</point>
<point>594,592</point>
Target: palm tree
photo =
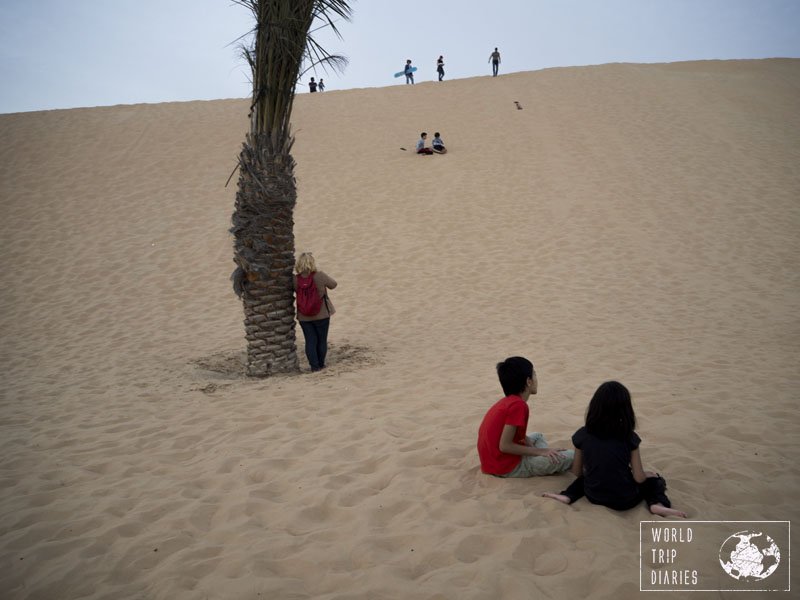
<point>263,219</point>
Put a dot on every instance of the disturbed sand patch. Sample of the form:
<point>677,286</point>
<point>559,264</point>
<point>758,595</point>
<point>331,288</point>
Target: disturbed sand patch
<point>342,358</point>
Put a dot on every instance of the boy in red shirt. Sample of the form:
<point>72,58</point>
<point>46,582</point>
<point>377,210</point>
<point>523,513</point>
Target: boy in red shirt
<point>504,447</point>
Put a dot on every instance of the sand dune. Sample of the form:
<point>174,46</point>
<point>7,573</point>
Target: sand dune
<point>637,222</point>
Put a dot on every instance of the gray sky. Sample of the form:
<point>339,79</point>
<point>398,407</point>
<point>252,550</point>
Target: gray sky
<point>70,53</point>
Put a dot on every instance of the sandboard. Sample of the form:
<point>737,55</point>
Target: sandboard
<point>401,73</point>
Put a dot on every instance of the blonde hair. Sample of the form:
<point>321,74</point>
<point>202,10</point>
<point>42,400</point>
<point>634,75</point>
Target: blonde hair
<point>305,263</point>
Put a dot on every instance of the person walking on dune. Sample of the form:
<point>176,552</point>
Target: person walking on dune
<point>494,58</point>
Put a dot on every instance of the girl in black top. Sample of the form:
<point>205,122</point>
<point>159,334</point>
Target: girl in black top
<point>607,461</point>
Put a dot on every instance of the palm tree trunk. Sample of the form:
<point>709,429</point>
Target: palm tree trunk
<point>263,221</point>
<point>263,229</point>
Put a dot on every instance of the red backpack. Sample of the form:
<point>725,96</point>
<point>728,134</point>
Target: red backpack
<point>309,302</point>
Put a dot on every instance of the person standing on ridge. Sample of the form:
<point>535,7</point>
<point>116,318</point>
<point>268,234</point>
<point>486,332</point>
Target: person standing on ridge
<point>440,67</point>
<point>321,85</point>
<point>312,86</point>
<point>409,72</point>
<point>494,58</point>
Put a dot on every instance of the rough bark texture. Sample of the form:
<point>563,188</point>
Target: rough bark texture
<point>263,229</point>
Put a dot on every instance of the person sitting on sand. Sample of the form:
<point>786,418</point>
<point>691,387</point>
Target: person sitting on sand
<point>504,446</point>
<point>421,149</point>
<point>438,144</point>
<point>608,464</point>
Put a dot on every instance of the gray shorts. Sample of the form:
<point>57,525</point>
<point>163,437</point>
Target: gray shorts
<point>533,466</point>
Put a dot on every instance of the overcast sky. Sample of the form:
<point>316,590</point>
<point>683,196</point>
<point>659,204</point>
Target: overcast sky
<point>71,53</point>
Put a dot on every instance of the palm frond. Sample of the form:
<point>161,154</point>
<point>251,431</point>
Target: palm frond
<point>282,42</point>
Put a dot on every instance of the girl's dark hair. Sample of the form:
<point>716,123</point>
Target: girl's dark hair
<point>610,413</point>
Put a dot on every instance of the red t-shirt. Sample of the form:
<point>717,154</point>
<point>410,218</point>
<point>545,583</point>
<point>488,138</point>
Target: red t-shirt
<point>511,410</point>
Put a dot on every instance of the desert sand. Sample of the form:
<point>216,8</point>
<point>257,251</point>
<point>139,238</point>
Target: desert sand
<point>631,222</point>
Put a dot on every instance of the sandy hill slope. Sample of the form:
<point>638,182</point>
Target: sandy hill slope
<point>637,222</point>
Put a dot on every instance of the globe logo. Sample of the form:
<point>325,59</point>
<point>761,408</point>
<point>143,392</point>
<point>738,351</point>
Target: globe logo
<point>749,556</point>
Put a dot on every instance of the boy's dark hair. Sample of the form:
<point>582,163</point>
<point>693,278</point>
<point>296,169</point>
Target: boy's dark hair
<point>514,373</point>
<point>436,134</point>
<point>610,413</point>
<point>423,134</point>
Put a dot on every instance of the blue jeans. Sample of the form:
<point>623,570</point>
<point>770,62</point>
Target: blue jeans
<point>316,334</point>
